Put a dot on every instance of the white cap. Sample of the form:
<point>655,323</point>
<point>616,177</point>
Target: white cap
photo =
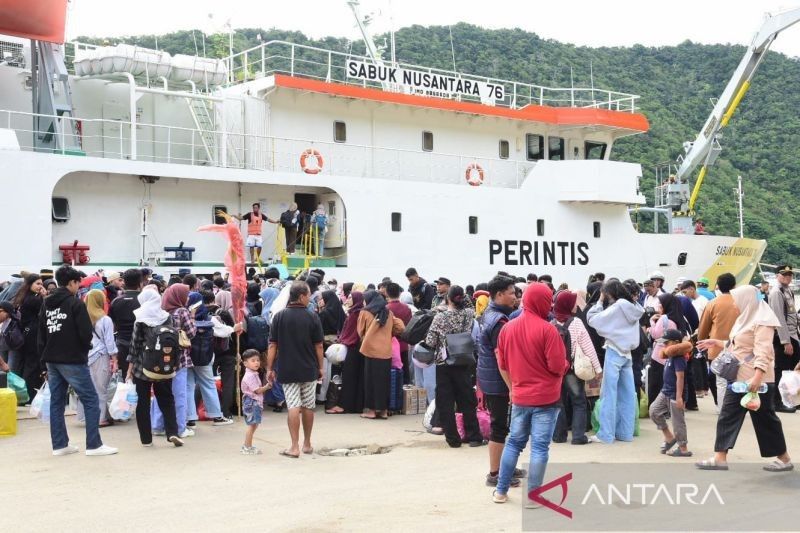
<point>657,274</point>
<point>680,281</point>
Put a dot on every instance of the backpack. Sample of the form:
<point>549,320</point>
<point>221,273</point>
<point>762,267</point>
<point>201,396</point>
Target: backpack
<point>160,357</point>
<point>417,327</point>
<point>286,219</point>
<point>203,347</point>
<point>14,336</point>
<point>563,331</point>
<point>321,221</point>
<point>257,330</point>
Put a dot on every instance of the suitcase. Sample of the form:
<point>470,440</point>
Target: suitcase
<point>8,412</point>
<point>396,390</point>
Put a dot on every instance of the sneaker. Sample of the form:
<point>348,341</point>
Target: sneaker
<point>102,450</point>
<point>491,481</point>
<point>222,421</point>
<point>67,450</point>
<point>499,498</point>
<point>530,504</point>
<point>519,473</point>
<point>147,444</point>
<point>191,423</point>
<point>159,432</point>
<point>595,438</point>
<point>188,432</point>
<point>176,441</point>
<point>251,450</point>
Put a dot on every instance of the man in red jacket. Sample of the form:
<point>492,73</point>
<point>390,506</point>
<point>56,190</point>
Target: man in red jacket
<point>532,360</point>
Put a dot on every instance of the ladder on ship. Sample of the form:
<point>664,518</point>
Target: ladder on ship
<point>203,118</point>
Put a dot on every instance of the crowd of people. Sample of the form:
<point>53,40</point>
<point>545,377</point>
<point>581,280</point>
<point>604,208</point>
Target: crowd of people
<point>537,359</point>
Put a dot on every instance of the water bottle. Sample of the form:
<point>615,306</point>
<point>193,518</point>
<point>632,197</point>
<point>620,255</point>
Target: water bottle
<point>741,387</point>
<point>131,399</point>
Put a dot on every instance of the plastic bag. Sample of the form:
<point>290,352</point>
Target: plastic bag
<point>124,402</point>
<point>336,353</point>
<point>751,401</point>
<point>789,387</point>
<point>17,384</point>
<point>596,418</point>
<point>484,423</point>
<point>644,405</point>
<point>116,377</point>
<point>426,420</point>
<point>40,406</point>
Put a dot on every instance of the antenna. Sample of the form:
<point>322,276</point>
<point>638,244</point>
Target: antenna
<point>391,34</point>
<point>591,78</point>
<point>452,49</point>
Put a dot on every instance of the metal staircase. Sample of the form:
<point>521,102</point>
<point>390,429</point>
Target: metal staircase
<point>204,123</point>
<point>54,128</point>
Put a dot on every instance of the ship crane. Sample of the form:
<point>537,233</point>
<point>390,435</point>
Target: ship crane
<point>705,149</point>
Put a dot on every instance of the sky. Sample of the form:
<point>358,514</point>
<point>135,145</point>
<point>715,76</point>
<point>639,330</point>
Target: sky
<point>580,22</point>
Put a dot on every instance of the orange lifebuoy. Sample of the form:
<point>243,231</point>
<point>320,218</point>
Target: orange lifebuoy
<point>319,161</point>
<point>473,180</point>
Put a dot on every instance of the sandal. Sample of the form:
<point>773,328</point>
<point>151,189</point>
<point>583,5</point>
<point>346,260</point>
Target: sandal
<point>666,446</point>
<point>369,417</point>
<point>286,453</point>
<point>677,452</point>
<point>436,431</point>
<point>499,498</point>
<point>335,411</point>
<point>778,466</point>
<point>710,464</point>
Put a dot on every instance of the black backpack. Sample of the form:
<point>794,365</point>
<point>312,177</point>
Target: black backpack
<point>418,326</point>
<point>203,346</point>
<point>563,331</point>
<point>161,354</point>
<point>257,330</point>
<point>286,219</point>
<point>13,335</point>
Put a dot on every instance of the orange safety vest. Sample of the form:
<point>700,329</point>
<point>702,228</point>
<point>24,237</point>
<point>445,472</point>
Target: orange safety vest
<point>254,224</point>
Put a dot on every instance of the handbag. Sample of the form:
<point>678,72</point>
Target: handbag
<point>583,365</point>
<point>423,355</point>
<point>726,366</point>
<point>460,349</point>
<point>183,339</point>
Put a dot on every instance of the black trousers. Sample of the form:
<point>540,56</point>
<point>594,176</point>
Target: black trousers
<point>351,397</point>
<point>655,380</point>
<point>32,371</point>
<point>767,425</point>
<point>700,373</point>
<point>291,239</point>
<point>225,367</point>
<point>166,402</point>
<point>454,388</point>
<point>123,348</point>
<point>783,362</point>
<point>407,370</point>
<point>377,379</point>
<point>499,407</point>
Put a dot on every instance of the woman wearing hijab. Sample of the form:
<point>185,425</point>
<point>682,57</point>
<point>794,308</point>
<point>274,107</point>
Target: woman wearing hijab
<point>376,326</point>
<point>175,302</point>
<point>253,299</point>
<point>268,297</point>
<point>151,315</point>
<point>28,303</point>
<point>572,388</point>
<point>201,373</point>
<point>331,315</point>
<point>103,354</point>
<point>751,343</point>
<point>225,349</point>
<point>224,301</point>
<point>454,383</point>
<point>351,397</point>
<point>671,317</point>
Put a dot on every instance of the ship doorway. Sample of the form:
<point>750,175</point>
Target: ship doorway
<point>306,203</point>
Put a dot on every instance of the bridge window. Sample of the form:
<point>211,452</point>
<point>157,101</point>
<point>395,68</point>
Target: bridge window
<point>396,221</point>
<point>473,225</point>
<point>555,147</point>
<point>60,209</point>
<point>427,141</point>
<point>682,258</point>
<point>217,218</point>
<point>339,131</point>
<point>535,146</point>
<point>596,230</point>
<point>540,227</point>
<point>595,150</point>
<point>503,149</point>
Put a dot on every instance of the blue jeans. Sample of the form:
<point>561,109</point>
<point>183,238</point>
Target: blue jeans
<point>179,392</point>
<point>618,397</point>
<point>538,423</point>
<point>204,377</point>
<point>59,376</point>
<point>426,378</point>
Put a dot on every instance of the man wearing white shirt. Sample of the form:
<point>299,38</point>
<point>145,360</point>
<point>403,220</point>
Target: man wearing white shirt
<point>689,289</point>
<point>651,296</point>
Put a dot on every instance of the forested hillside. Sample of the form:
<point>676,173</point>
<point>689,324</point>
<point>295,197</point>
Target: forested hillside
<point>676,84</point>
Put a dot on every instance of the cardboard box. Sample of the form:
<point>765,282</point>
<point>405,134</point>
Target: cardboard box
<point>422,400</point>
<point>410,401</point>
<point>592,387</point>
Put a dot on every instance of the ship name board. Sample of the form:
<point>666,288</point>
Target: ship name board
<point>425,82</point>
<point>535,253</point>
<point>735,251</point>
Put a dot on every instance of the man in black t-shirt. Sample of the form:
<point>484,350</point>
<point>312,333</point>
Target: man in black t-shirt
<point>296,339</point>
<point>121,314</point>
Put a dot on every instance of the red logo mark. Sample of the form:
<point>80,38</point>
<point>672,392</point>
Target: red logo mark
<point>536,495</point>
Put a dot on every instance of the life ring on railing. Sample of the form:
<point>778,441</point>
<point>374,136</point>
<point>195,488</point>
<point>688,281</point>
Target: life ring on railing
<point>319,162</point>
<point>472,178</point>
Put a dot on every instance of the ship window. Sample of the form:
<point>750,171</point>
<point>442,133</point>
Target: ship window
<point>331,208</point>
<point>596,230</point>
<point>540,227</point>
<point>396,221</point>
<point>682,258</point>
<point>595,150</point>
<point>556,148</point>
<point>60,209</point>
<point>503,149</point>
<point>427,141</point>
<point>339,131</point>
<point>535,145</point>
<point>217,218</point>
<point>473,225</point>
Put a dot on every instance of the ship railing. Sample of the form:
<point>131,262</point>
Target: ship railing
<point>282,57</point>
<point>112,139</point>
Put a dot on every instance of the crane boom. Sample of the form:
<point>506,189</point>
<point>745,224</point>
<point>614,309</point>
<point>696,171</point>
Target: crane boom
<point>705,149</point>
